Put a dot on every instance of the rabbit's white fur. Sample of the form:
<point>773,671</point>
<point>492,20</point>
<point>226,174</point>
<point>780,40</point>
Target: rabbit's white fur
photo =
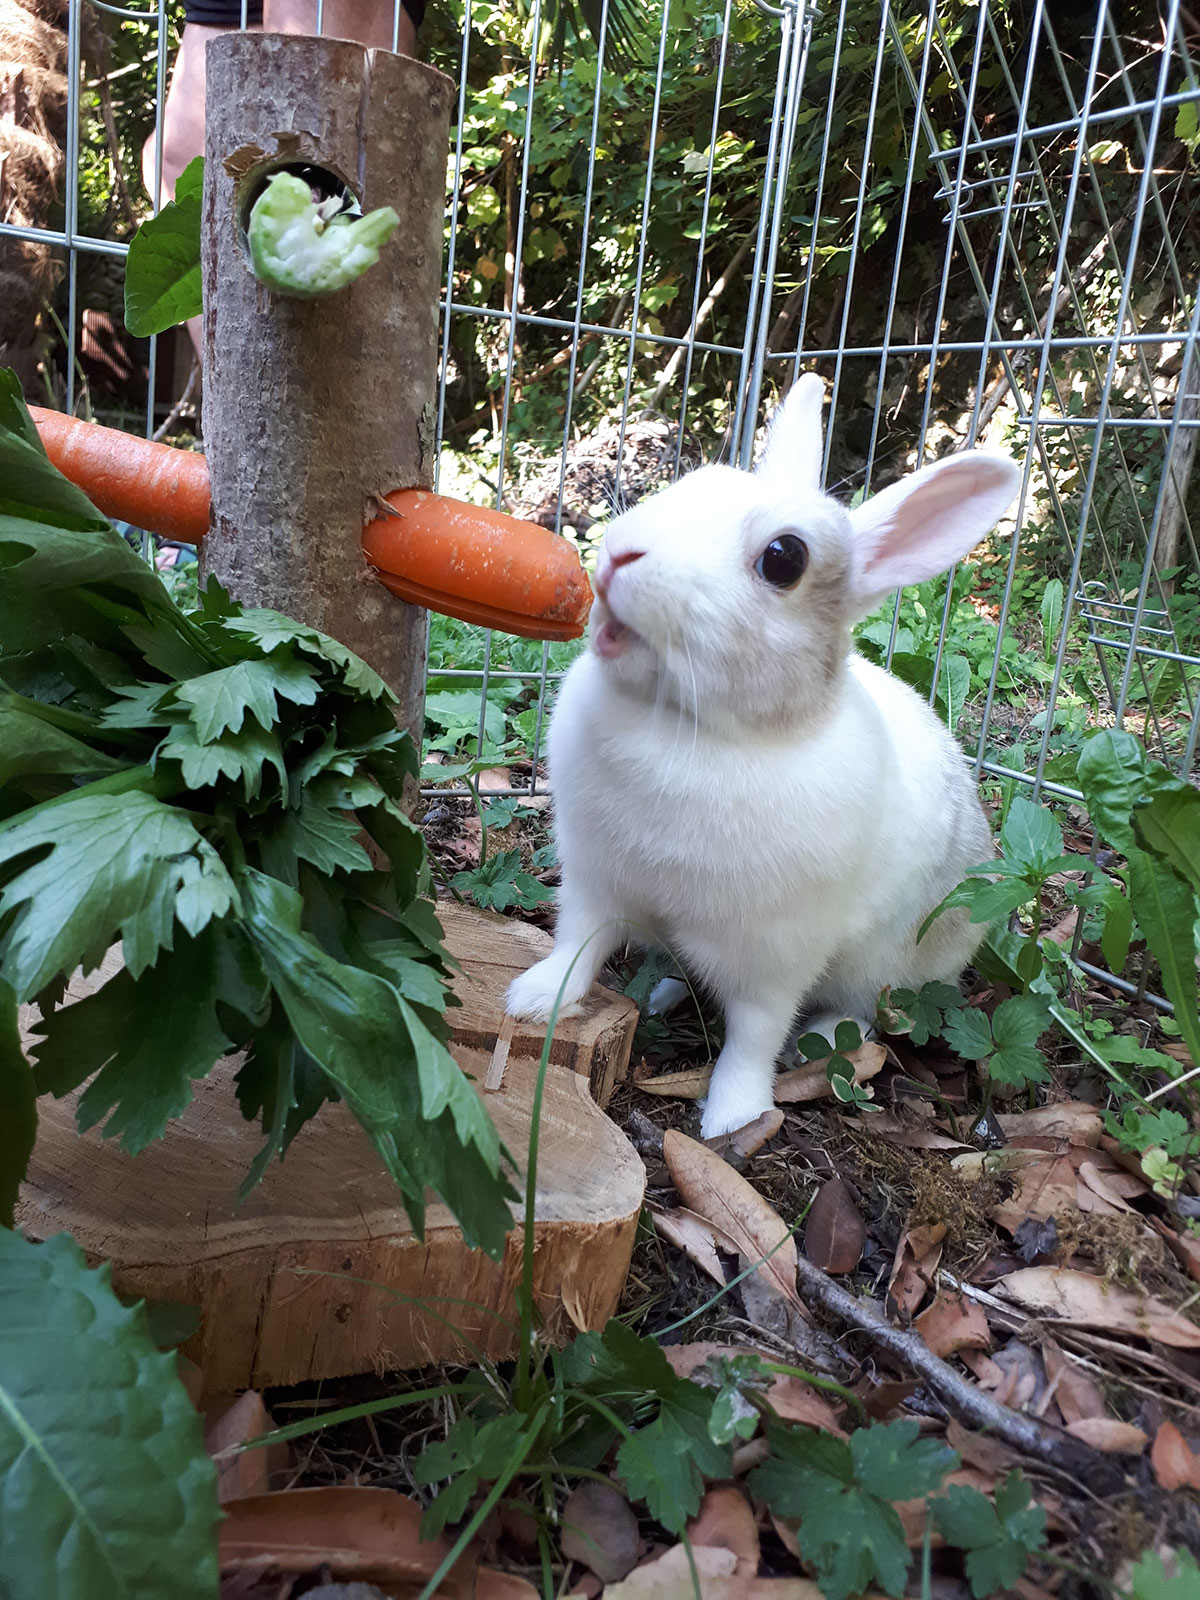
<point>730,780</point>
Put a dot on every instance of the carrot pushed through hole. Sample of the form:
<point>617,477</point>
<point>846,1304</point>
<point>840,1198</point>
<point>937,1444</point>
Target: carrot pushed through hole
<point>477,565</point>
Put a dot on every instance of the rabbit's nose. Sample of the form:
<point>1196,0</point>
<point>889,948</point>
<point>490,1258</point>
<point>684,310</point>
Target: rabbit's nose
<point>609,562</point>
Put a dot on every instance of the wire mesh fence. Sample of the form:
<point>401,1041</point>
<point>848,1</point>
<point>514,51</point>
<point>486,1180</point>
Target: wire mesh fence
<point>976,221</point>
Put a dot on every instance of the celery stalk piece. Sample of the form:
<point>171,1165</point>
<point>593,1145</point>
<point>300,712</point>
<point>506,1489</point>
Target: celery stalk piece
<point>297,251</point>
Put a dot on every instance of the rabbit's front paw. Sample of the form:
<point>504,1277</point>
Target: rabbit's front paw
<point>726,1110</point>
<point>534,994</point>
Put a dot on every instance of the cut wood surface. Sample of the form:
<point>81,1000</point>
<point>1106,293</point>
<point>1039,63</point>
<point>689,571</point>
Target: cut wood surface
<point>492,950</point>
<point>317,1273</point>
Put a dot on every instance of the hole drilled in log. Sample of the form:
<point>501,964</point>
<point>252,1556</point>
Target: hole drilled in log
<point>324,183</point>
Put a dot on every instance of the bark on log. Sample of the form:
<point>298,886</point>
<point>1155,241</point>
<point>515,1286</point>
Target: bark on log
<point>314,407</point>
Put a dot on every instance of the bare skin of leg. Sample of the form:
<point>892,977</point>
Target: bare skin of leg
<point>367,21</point>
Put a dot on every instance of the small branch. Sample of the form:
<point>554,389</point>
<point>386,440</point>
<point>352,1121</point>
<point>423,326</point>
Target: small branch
<point>703,311</point>
<point>176,411</point>
<point>114,153</point>
<point>963,1399</point>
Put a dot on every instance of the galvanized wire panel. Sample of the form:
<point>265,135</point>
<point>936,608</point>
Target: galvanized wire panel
<point>976,221</point>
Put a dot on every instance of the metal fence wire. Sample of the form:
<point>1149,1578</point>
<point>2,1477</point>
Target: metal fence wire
<point>978,222</point>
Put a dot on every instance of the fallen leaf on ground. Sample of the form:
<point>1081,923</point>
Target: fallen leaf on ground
<point>1080,1297</point>
<point>835,1232</point>
<point>1043,1189</point>
<point>1183,1246</point>
<point>1077,1395</point>
<point>600,1529</point>
<point>690,1085</point>
<point>917,1255</point>
<point>696,1236</point>
<point>1176,1465</point>
<point>1093,1185</point>
<point>811,1081</point>
<point>1109,1435</point>
<point>1024,1384</point>
<point>952,1323</point>
<point>669,1577</point>
<point>907,1135</point>
<point>981,1450</point>
<point>715,1191</point>
<point>791,1398</point>
<point>726,1521</point>
<point>1073,1120</point>
<point>242,1472</point>
<point>750,1139</point>
<point>366,1533</point>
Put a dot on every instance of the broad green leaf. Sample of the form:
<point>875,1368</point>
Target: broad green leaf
<point>1031,837</point>
<point>269,630</point>
<point>471,1454</point>
<point>968,1032</point>
<point>1052,615</point>
<point>220,700</point>
<point>893,1461</point>
<point>1118,926</point>
<point>1169,827</point>
<point>665,1462</point>
<point>351,1023</point>
<point>1113,773</point>
<point>108,1491</point>
<point>1017,1025</point>
<point>241,757</point>
<point>32,745</point>
<point>852,1537</point>
<point>954,685</point>
<point>162,270</point>
<point>148,1038</point>
<point>1150,1579</point>
<point>1165,907</point>
<point>31,490</point>
<point>94,867</point>
<point>18,1107</point>
<point>998,1539</point>
<point>321,834</point>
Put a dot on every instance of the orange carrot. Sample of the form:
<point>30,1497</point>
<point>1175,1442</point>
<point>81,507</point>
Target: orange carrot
<point>501,572</point>
<point>480,566</point>
<point>151,485</point>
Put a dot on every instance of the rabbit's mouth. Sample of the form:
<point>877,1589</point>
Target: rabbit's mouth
<point>612,638</point>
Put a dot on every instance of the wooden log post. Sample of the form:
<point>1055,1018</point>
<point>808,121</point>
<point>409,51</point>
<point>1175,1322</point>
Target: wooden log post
<point>312,408</point>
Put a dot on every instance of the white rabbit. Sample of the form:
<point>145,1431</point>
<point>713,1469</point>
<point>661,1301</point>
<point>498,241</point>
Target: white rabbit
<point>732,781</point>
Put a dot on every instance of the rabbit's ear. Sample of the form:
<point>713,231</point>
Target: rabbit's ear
<point>792,457</point>
<point>922,525</point>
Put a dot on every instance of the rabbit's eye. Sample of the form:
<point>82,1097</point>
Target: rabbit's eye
<point>783,562</point>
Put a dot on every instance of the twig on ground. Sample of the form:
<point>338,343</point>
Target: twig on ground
<point>963,1399</point>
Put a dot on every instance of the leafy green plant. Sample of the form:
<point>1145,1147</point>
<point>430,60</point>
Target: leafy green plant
<point>107,1488</point>
<point>840,1070</point>
<point>195,786</point>
<point>998,1537</point>
<point>162,271</point>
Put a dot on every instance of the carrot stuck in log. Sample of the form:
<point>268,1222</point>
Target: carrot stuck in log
<point>152,486</point>
<point>477,565</point>
<point>503,573</point>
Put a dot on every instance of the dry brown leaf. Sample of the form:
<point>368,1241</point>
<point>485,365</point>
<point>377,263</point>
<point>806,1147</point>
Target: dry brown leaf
<point>953,1322</point>
<point>691,1085</point>
<point>986,1454</point>
<point>600,1530</point>
<point>1076,1394</point>
<point>1074,1120</point>
<point>835,1233</point>
<point>669,1577</point>
<point>749,1140</point>
<point>791,1398</point>
<point>696,1236</point>
<point>714,1190</point>
<point>726,1521</point>
<point>917,1255</point>
<point>242,1472</point>
<point>810,1082</point>
<point>1094,1185</point>
<point>1176,1465</point>
<point>1183,1246</point>
<point>1045,1188</point>
<point>906,1134</point>
<point>1080,1297</point>
<point>366,1533</point>
<point>987,1374</point>
<point>1109,1435</point>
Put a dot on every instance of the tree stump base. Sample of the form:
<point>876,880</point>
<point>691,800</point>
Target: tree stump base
<point>317,1274</point>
